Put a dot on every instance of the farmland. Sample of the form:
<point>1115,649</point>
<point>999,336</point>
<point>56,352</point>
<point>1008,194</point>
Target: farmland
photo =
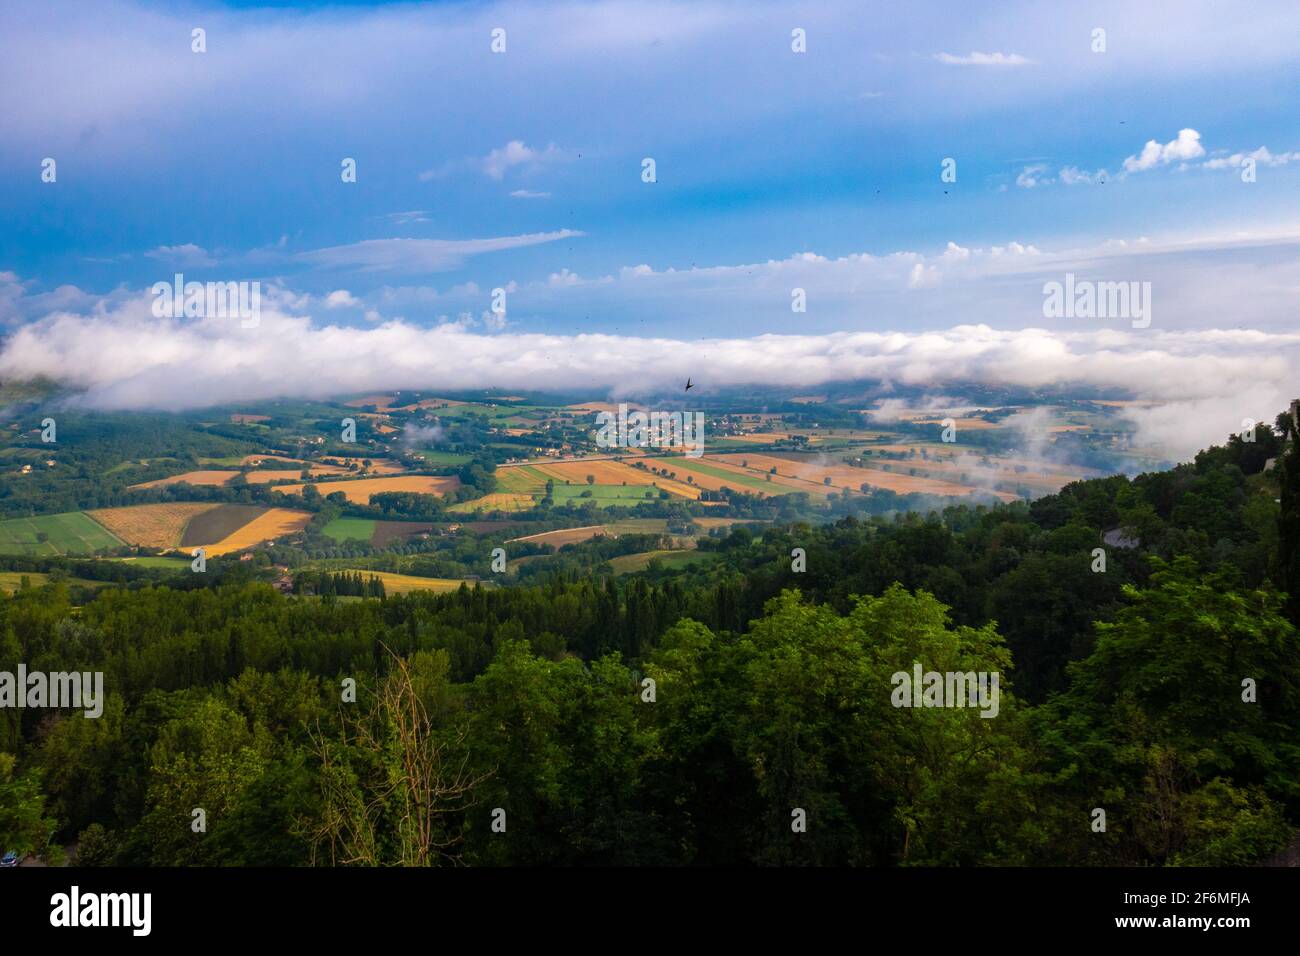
<point>810,475</point>
<point>628,563</point>
<point>271,524</point>
<point>559,539</point>
<point>196,478</point>
<point>381,534</point>
<point>407,583</point>
<point>612,473</point>
<point>351,529</point>
<point>497,501</point>
<point>11,581</point>
<point>360,490</point>
<point>153,526</point>
<point>438,458</point>
<point>217,523</point>
<point>68,533</point>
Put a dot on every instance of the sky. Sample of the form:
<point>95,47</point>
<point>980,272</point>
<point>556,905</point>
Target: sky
<point>1164,151</point>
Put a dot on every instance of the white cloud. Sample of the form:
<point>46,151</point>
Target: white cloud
<point>421,255</point>
<point>404,218</point>
<point>922,276</point>
<point>1032,176</point>
<point>341,299</point>
<point>125,358</point>
<point>983,59</point>
<point>1261,156</point>
<point>529,194</point>
<point>184,255</point>
<point>514,153</point>
<point>1186,146</point>
<point>1072,176</point>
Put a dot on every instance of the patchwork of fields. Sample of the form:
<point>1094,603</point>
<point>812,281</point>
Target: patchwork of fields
<point>360,490</point>
<point>370,531</point>
<point>218,528</point>
<point>153,526</point>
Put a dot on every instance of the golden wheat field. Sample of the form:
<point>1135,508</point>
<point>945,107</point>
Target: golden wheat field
<point>190,478</point>
<point>406,583</point>
<point>154,526</point>
<point>811,476</point>
<point>265,475</point>
<point>497,501</point>
<point>559,539</point>
<point>361,489</point>
<point>265,527</point>
<point>378,466</point>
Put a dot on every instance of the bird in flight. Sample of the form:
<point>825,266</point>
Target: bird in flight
<point>689,386</point>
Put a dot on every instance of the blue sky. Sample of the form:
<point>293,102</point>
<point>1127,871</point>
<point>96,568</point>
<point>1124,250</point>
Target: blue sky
<point>761,153</point>
<point>776,169</point>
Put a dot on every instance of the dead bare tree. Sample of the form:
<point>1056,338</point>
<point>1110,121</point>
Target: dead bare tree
<point>406,805</point>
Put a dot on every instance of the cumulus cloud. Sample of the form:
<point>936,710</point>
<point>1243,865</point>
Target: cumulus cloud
<point>1261,156</point>
<point>514,153</point>
<point>341,299</point>
<point>1187,145</point>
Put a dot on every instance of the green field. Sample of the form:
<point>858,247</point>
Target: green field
<point>435,457</point>
<point>639,526</point>
<point>157,561</point>
<point>351,529</point>
<point>11,581</point>
<point>520,480</point>
<point>68,533</point>
<point>733,479</point>
<point>604,494</point>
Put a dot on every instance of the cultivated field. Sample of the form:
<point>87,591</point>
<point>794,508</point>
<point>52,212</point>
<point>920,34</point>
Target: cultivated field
<point>387,532</point>
<point>713,474</point>
<point>360,490</point>
<point>68,533</point>
<point>351,529</point>
<point>378,466</point>
<point>268,475</point>
<point>627,563</point>
<point>154,526</point>
<point>497,501</point>
<point>197,478</point>
<point>271,524</point>
<point>612,473</point>
<point>217,523</point>
<point>11,581</point>
<point>810,475</point>
<point>558,539</point>
<point>406,583</point>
